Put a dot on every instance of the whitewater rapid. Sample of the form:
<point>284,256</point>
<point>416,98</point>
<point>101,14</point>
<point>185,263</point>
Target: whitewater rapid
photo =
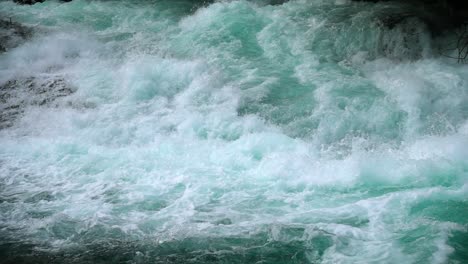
<point>231,132</point>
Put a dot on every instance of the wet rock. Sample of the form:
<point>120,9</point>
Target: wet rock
<point>12,34</point>
<point>16,95</point>
<point>32,2</point>
<point>27,2</point>
<point>439,15</point>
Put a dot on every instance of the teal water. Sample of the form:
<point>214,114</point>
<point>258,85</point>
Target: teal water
<point>234,132</point>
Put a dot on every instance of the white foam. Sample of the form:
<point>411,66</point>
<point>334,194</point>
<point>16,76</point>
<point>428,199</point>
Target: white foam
<point>153,141</point>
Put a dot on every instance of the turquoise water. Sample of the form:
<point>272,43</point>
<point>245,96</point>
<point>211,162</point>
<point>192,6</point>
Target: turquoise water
<point>233,132</point>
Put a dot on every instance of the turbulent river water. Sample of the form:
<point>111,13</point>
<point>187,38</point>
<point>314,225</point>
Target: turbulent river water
<point>230,132</point>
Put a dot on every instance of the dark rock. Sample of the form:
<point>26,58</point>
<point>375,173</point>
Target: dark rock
<point>12,34</point>
<point>439,15</point>
<point>32,2</point>
<point>16,95</point>
<point>27,2</point>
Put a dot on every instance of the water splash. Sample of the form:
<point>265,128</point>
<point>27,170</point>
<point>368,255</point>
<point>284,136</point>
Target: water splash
<point>233,132</point>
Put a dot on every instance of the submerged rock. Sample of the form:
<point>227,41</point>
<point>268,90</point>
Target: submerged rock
<point>16,95</point>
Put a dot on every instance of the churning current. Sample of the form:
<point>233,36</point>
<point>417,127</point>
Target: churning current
<point>230,132</point>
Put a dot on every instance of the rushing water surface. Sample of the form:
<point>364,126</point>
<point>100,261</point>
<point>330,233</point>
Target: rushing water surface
<point>177,131</point>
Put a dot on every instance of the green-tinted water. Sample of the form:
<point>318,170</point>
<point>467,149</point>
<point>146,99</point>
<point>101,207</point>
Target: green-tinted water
<point>232,132</point>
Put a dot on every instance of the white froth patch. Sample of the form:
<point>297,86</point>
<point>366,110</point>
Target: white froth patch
<point>424,90</point>
<point>52,53</point>
<point>152,145</point>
